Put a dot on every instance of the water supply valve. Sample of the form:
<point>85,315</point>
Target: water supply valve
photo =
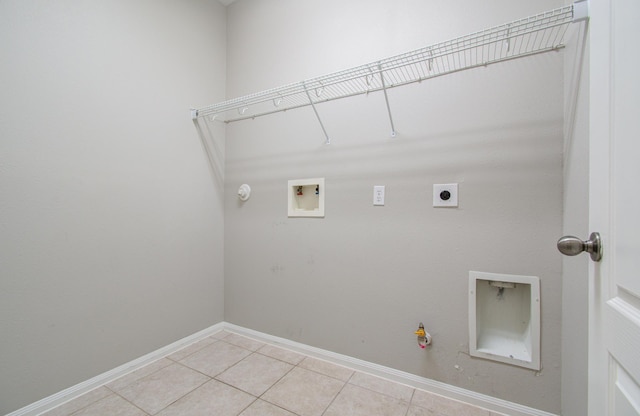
<point>424,338</point>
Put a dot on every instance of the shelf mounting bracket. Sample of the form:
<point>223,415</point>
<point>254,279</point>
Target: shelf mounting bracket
<point>386,99</point>
<point>306,90</point>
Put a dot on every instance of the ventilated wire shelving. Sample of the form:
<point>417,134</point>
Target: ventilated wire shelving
<point>532,35</point>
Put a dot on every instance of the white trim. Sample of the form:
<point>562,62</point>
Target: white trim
<point>412,380</point>
<point>64,396</point>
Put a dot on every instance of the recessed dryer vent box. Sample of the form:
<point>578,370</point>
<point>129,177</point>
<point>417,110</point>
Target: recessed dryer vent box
<point>504,318</point>
<point>306,197</point>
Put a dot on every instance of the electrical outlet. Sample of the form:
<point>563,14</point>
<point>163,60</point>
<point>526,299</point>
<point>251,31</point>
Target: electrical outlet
<point>378,195</point>
<point>445,195</point>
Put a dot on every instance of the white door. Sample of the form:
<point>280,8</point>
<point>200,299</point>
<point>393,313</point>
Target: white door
<point>614,195</point>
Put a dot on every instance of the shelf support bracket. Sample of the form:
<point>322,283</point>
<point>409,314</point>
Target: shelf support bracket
<point>386,99</point>
<point>328,141</point>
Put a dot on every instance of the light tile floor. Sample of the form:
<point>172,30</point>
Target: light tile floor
<point>231,375</point>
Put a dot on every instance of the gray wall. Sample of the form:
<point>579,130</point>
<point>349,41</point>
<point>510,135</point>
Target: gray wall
<point>111,219</point>
<point>358,281</point>
<point>575,222</point>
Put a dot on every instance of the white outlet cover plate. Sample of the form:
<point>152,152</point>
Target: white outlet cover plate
<point>453,191</point>
<point>378,195</point>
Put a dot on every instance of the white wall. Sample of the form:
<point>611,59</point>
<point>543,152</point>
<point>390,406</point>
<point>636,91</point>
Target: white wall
<point>111,219</point>
<point>575,222</point>
<point>358,281</point>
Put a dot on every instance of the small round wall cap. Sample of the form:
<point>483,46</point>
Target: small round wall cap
<point>244,192</point>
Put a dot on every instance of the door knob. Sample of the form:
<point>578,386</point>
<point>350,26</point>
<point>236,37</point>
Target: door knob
<point>572,246</point>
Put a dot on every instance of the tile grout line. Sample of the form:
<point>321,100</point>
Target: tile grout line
<point>183,396</point>
<point>260,397</point>
<point>413,389</point>
<point>348,381</point>
<point>282,361</point>
<point>413,393</point>
<point>179,398</point>
<point>84,407</point>
<point>323,374</point>
<point>338,394</point>
<point>215,378</point>
<point>255,399</point>
<point>293,366</point>
<point>189,355</point>
<point>113,393</point>
<point>133,404</point>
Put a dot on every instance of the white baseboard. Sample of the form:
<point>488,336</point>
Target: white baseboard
<point>73,392</point>
<point>412,380</point>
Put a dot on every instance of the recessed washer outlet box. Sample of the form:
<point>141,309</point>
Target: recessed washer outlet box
<point>445,195</point>
<point>306,197</point>
<point>504,318</point>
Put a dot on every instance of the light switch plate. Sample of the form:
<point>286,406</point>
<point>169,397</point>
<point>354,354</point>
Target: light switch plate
<point>378,195</point>
<point>445,195</point>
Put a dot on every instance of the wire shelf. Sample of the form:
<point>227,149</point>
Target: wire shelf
<point>536,34</point>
